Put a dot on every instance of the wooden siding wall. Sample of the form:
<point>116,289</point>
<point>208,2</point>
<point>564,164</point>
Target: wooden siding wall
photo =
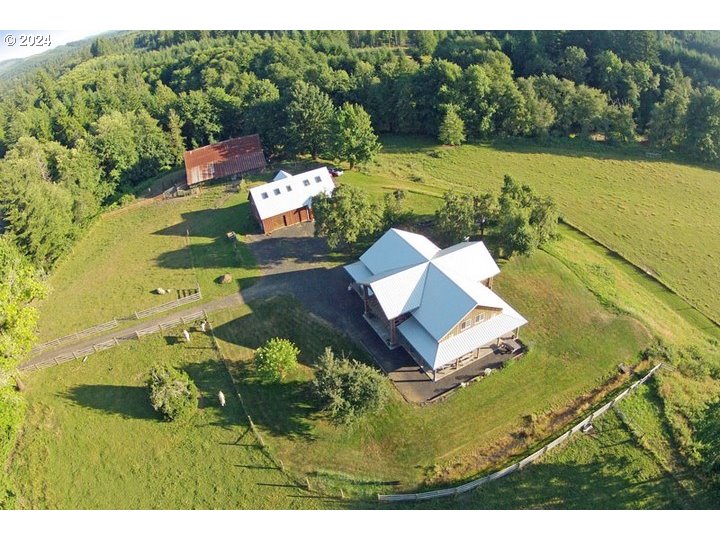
<point>291,217</point>
<point>488,312</point>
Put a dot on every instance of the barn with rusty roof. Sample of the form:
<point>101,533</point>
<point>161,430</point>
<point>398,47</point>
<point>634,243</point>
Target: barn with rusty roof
<point>223,159</point>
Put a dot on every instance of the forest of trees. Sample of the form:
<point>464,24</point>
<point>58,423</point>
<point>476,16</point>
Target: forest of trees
<point>78,132</point>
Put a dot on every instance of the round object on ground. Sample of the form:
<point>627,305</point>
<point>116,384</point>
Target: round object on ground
<point>226,278</point>
<point>160,290</point>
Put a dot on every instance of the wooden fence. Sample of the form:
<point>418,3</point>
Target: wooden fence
<point>97,329</point>
<point>112,342</point>
<point>197,295</point>
<point>464,488</point>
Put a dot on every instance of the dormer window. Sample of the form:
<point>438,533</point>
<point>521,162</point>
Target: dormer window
<point>306,182</point>
<point>276,191</point>
<point>264,195</point>
<point>318,179</point>
<point>289,188</point>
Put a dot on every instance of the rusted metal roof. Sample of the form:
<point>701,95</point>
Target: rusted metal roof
<point>234,156</point>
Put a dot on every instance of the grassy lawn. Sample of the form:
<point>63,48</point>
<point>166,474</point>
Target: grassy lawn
<point>658,214</point>
<point>112,271</point>
<point>575,343</point>
<point>92,440</point>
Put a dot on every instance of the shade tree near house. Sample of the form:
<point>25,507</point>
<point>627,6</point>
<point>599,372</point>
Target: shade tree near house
<point>345,217</point>
<point>348,389</point>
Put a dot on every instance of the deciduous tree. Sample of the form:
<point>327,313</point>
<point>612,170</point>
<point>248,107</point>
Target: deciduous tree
<point>345,217</point>
<point>275,359</point>
<point>310,120</point>
<point>354,138</point>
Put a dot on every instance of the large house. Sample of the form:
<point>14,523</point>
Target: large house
<point>227,158</point>
<point>287,199</point>
<point>436,303</point>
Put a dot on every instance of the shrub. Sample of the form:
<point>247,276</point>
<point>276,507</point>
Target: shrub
<point>348,389</point>
<point>172,392</point>
<point>275,359</point>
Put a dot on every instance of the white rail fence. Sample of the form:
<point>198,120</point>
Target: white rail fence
<point>197,295</point>
<point>104,327</point>
<point>112,342</point>
<point>404,497</point>
<point>77,336</point>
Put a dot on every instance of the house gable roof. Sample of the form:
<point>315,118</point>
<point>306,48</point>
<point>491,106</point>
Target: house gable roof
<point>407,273</point>
<point>285,194</point>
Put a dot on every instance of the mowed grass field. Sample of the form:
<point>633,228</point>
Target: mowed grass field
<point>660,215</point>
<point>114,269</point>
<point>92,439</point>
<point>575,347</point>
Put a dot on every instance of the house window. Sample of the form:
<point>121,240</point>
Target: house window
<point>289,188</point>
<point>318,179</point>
<point>264,195</point>
<point>306,182</point>
<point>276,191</point>
<point>464,325</point>
<point>479,318</point>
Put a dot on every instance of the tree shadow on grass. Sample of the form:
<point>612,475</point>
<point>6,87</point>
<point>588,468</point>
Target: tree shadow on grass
<point>123,401</point>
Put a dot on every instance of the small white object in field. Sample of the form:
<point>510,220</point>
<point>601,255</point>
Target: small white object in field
<point>186,335</point>
<point>202,326</point>
<point>221,397</point>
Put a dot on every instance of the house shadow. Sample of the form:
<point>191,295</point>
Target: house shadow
<point>123,401</point>
<point>213,222</point>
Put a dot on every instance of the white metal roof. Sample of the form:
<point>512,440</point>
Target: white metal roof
<point>358,271</point>
<point>398,249</point>
<point>438,354</point>
<point>455,259</point>
<point>401,291</point>
<point>409,274</point>
<point>285,194</point>
<point>282,175</point>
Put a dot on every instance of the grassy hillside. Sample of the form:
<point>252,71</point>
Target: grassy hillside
<point>127,254</point>
<point>662,216</point>
<point>92,440</point>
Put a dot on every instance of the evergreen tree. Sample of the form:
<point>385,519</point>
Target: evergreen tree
<point>176,142</point>
<point>452,129</point>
